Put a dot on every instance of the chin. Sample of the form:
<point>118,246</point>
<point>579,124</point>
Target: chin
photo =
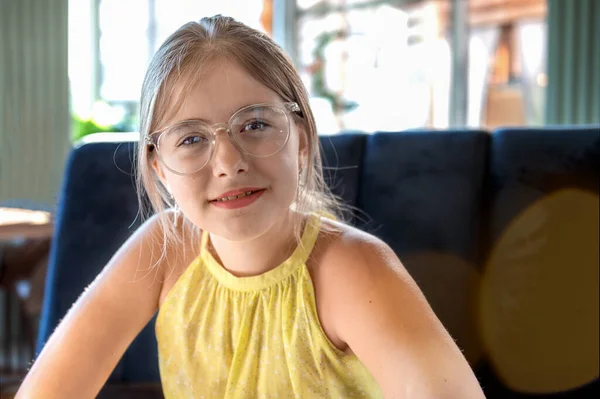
<point>244,225</point>
<point>247,222</point>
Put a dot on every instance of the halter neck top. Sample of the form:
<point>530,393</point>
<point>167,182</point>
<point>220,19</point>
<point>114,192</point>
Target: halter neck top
<point>222,336</point>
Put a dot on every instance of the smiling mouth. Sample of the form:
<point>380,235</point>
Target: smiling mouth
<point>234,197</point>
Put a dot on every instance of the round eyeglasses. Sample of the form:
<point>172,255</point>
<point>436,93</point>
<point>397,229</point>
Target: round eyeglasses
<point>258,130</point>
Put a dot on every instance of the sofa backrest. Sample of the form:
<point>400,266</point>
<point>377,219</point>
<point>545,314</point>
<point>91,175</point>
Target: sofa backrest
<point>422,192</point>
<point>538,303</point>
<point>441,200</point>
<point>98,211</point>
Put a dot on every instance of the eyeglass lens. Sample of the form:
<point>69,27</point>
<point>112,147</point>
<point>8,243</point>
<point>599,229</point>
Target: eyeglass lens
<point>259,131</point>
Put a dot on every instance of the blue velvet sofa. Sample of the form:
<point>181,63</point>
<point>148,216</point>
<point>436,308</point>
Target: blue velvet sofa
<point>452,204</point>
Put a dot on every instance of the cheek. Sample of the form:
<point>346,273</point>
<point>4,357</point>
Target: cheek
<point>283,175</point>
<point>288,165</point>
<point>279,172</point>
<point>188,191</point>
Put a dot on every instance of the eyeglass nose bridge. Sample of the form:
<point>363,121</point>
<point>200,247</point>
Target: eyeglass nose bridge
<point>225,128</point>
<point>220,126</point>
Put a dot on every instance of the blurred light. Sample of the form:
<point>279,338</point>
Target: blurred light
<point>23,216</point>
<point>304,4</point>
<point>539,296</point>
<point>324,116</point>
<point>541,79</point>
<point>105,115</point>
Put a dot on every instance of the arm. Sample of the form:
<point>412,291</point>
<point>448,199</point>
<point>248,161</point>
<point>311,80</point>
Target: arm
<point>381,314</point>
<point>87,344</point>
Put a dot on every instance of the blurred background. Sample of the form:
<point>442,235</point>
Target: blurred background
<point>76,66</point>
<point>72,68</point>
<point>368,65</point>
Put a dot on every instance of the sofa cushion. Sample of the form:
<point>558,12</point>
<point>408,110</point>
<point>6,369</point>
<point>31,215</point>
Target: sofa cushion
<point>422,192</point>
<point>539,293</point>
<point>342,157</point>
<point>98,211</point>
<point>527,164</point>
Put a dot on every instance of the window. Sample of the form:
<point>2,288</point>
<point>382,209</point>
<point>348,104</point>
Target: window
<point>507,62</point>
<point>376,65</point>
<point>124,48</point>
<point>120,38</point>
<point>370,65</point>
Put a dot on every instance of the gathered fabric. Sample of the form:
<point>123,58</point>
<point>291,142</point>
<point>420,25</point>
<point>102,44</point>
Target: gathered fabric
<point>222,336</point>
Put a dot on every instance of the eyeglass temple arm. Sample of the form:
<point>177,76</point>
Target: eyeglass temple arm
<point>293,107</point>
<point>148,140</point>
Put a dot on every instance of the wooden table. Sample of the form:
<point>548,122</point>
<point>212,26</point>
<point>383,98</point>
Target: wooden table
<point>24,239</point>
<point>23,223</point>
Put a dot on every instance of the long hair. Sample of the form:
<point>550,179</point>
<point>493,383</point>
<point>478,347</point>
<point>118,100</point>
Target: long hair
<point>180,59</point>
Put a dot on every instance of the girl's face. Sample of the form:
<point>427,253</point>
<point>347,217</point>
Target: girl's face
<point>225,88</point>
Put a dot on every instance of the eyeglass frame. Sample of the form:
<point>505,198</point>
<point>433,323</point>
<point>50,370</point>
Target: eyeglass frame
<point>152,139</point>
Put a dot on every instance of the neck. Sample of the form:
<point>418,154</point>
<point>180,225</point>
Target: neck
<point>260,254</point>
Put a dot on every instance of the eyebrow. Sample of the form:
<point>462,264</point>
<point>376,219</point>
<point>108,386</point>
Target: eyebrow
<point>208,123</point>
<point>190,120</point>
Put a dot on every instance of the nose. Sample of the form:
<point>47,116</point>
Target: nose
<point>227,160</point>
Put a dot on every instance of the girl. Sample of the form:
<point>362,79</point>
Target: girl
<point>260,292</point>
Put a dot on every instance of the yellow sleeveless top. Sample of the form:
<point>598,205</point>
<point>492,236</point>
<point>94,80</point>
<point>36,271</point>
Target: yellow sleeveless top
<point>222,336</point>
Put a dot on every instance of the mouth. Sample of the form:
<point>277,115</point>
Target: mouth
<point>237,199</point>
<point>237,194</point>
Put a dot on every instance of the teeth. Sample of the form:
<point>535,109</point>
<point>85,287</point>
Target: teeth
<point>235,196</point>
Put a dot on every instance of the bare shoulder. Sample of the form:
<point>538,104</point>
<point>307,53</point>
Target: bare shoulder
<point>373,308</point>
<point>355,269</point>
<point>346,252</point>
<point>139,263</point>
<point>109,314</point>
<point>144,250</point>
<point>348,265</point>
<point>167,253</point>
<point>153,256</point>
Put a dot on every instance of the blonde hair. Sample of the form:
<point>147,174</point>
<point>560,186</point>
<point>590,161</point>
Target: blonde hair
<point>182,56</point>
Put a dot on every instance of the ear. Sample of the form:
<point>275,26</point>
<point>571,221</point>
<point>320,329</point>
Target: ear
<point>159,170</point>
<point>302,141</point>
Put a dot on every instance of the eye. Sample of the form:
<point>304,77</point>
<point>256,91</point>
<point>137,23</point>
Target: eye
<point>191,140</point>
<point>254,126</point>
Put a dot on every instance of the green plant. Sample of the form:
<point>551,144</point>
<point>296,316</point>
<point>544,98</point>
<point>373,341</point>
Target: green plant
<point>83,127</point>
<point>319,85</point>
